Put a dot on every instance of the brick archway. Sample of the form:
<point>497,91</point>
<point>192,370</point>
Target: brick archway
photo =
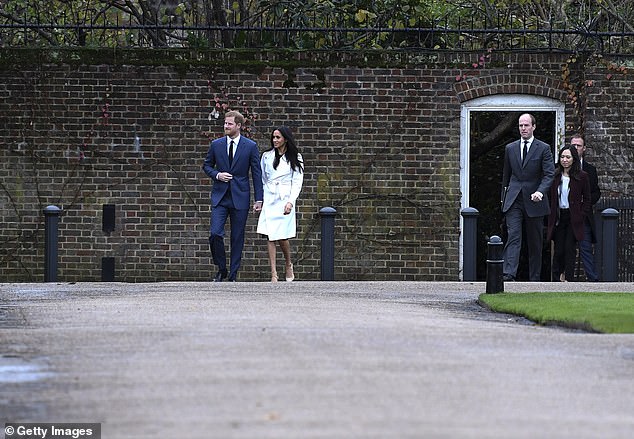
<point>510,83</point>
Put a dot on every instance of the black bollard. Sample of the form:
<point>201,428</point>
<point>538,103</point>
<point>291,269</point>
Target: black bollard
<point>609,242</point>
<point>327,243</point>
<point>107,269</point>
<point>51,221</point>
<point>469,243</point>
<point>495,262</point>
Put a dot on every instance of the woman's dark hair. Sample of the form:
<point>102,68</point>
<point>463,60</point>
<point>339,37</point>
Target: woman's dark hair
<point>575,169</point>
<point>291,149</point>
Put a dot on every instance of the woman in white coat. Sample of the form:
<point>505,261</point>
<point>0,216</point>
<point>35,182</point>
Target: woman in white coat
<point>282,176</point>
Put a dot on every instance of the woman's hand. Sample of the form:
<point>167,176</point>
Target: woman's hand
<point>288,208</point>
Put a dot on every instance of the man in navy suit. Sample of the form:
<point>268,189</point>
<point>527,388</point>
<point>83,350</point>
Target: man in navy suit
<point>228,163</point>
<point>585,246</point>
<point>526,179</point>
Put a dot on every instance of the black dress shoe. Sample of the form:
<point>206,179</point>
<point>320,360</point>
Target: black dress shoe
<point>222,274</point>
<point>508,278</point>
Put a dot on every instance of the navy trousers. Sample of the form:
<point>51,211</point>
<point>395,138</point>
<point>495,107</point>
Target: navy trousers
<point>587,255</point>
<point>237,220</point>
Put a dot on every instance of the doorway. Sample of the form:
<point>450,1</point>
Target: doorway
<point>487,125</point>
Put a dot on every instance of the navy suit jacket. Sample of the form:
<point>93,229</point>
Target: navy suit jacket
<point>246,158</point>
<point>595,192</point>
<point>536,174</point>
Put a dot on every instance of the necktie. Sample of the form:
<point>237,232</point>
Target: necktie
<point>231,152</point>
<point>524,151</point>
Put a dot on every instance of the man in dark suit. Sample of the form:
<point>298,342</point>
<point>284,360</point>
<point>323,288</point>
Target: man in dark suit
<point>585,246</point>
<point>526,179</point>
<point>228,163</point>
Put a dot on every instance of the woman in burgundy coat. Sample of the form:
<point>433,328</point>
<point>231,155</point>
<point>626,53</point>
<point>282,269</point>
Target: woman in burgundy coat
<point>569,206</point>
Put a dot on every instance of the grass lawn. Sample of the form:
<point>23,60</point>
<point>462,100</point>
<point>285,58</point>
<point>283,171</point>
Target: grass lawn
<point>600,312</point>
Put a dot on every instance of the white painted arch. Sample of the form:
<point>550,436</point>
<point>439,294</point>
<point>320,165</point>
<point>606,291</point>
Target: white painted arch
<point>501,102</point>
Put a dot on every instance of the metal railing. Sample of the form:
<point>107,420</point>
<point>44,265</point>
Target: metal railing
<point>625,236</point>
<point>472,36</point>
<point>618,245</point>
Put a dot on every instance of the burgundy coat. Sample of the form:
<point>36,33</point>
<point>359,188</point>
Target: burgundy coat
<point>579,201</point>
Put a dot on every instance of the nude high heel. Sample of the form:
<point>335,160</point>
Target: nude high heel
<point>274,276</point>
<point>290,276</point>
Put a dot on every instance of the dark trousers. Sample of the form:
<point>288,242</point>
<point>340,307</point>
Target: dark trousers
<point>565,247</point>
<point>238,221</point>
<point>587,254</point>
<point>515,219</point>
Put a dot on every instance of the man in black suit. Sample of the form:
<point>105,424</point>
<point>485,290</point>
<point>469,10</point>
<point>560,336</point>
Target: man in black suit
<point>585,246</point>
<point>526,179</point>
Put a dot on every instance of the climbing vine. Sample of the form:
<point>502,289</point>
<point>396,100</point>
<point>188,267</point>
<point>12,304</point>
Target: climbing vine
<point>577,88</point>
<point>222,101</point>
<point>483,59</point>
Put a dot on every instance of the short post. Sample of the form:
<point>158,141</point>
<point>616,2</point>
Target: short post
<point>495,262</point>
<point>610,219</point>
<point>107,269</point>
<point>327,243</point>
<point>469,243</point>
<point>51,221</point>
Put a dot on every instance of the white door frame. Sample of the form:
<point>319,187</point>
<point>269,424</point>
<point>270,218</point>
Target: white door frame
<point>503,102</point>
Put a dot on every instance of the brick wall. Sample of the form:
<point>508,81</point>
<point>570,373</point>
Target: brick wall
<point>380,139</point>
<point>609,116</point>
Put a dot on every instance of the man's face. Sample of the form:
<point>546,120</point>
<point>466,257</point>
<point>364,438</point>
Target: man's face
<point>232,129</point>
<point>526,127</point>
<point>580,145</point>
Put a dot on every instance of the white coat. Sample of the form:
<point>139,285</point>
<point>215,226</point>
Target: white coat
<point>281,186</point>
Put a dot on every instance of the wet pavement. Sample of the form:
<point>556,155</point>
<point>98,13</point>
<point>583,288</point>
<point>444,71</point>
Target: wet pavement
<point>306,360</point>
